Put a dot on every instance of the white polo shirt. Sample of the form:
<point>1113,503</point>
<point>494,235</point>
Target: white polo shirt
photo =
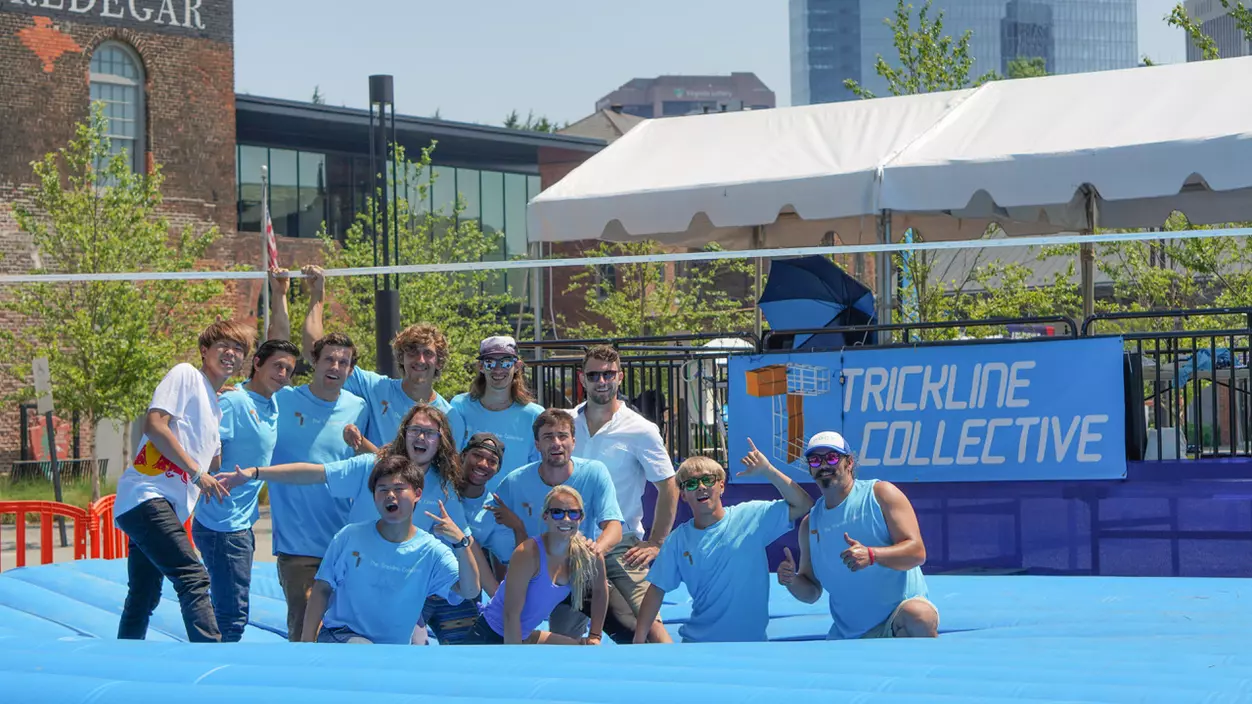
<point>631,447</point>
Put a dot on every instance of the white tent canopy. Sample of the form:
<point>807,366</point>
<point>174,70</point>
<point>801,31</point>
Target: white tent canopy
<point>1029,154</point>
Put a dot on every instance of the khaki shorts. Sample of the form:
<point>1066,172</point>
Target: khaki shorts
<point>886,629</point>
<point>296,574</point>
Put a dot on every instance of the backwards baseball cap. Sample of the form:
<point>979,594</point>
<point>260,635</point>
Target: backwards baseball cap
<point>498,346</point>
<point>488,442</point>
<point>828,441</point>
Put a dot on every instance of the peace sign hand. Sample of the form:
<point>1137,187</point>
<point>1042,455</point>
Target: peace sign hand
<point>754,462</point>
<point>444,527</point>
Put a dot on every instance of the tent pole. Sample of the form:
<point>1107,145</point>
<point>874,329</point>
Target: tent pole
<point>758,242</point>
<point>884,295</point>
<point>1086,258</point>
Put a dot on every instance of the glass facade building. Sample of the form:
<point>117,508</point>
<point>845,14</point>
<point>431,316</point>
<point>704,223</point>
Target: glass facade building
<point>1217,22</point>
<point>834,40</point>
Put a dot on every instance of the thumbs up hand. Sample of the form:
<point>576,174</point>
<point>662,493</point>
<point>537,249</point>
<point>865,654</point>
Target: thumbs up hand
<point>857,556</point>
<point>787,568</point>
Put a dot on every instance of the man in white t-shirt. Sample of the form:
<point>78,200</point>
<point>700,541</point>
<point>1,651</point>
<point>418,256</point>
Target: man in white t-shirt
<point>156,494</point>
<point>630,445</point>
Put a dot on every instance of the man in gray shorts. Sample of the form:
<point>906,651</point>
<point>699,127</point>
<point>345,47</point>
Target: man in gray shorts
<point>630,445</point>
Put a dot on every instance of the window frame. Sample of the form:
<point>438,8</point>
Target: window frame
<point>138,153</point>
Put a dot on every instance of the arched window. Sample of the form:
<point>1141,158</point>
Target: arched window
<point>117,81</point>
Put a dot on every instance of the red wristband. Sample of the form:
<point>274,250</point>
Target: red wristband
<point>871,555</point>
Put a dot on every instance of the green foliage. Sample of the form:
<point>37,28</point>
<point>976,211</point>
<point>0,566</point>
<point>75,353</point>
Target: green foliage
<point>637,300</point>
<point>318,98</point>
<point>1179,18</point>
<point>532,123</point>
<point>467,306</point>
<point>108,343</point>
<point>1023,67</point>
<point>929,60</point>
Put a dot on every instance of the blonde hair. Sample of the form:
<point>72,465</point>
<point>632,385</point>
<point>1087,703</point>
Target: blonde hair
<point>582,569</point>
<point>699,466</point>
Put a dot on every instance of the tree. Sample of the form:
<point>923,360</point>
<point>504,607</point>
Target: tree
<point>318,98</point>
<point>467,306</point>
<point>1179,18</point>
<point>662,298</point>
<point>532,124</point>
<point>929,60</point>
<point>1027,67</point>
<point>108,343</point>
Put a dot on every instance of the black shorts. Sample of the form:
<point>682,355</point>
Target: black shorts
<point>481,633</point>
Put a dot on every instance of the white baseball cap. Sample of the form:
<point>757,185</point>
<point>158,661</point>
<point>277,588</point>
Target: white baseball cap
<point>830,441</point>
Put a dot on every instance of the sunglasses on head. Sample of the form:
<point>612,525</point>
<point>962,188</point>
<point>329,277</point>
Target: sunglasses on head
<point>574,514</point>
<point>831,458</point>
<point>595,377</point>
<point>695,482</point>
<point>498,362</point>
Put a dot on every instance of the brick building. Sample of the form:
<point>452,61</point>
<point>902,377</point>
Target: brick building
<point>165,70</point>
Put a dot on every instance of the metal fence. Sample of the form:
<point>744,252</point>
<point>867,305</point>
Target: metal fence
<point>1187,391</point>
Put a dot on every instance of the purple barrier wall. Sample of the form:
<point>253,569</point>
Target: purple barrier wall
<point>1170,518</point>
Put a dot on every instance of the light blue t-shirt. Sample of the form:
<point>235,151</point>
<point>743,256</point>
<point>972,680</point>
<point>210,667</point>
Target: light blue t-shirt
<point>524,491</point>
<point>863,599</point>
<point>514,426</point>
<point>491,536</point>
<point>379,586</point>
<point>386,403</point>
<point>306,516</point>
<point>249,430</point>
<point>726,571</point>
<point>350,479</point>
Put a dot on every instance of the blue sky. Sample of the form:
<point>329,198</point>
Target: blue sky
<point>475,60</point>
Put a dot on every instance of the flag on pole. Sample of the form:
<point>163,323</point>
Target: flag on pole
<point>271,245</point>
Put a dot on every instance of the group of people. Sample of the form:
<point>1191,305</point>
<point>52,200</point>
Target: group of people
<point>397,512</point>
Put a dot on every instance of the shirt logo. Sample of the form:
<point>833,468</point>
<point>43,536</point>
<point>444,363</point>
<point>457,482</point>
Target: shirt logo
<point>817,533</point>
<point>357,555</point>
<point>688,556</point>
<point>299,417</point>
<point>150,462</point>
<point>385,406</point>
<point>527,507</point>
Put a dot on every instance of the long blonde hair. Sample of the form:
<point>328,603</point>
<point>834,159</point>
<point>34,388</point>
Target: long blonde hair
<point>582,569</point>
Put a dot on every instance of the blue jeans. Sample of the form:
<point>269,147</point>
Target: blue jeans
<point>228,558</point>
<point>159,550</point>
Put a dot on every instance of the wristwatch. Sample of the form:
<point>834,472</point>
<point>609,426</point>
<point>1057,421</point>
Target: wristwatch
<point>462,543</point>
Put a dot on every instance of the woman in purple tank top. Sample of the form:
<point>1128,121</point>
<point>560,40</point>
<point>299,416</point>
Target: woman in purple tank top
<point>542,572</point>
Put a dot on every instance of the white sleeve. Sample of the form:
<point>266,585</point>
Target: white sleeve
<point>176,390</point>
<point>650,451</point>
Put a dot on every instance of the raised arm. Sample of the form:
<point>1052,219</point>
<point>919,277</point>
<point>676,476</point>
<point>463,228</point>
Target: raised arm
<point>802,583</point>
<point>798,500</point>
<point>312,331</point>
<point>280,319</point>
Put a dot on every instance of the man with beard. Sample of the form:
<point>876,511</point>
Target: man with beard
<point>311,422</point>
<point>607,430</point>
<point>181,444</point>
<point>421,351</point>
<point>499,403</point>
<point>860,542</point>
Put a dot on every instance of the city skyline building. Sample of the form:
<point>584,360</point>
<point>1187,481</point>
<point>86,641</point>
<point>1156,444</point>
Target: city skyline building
<point>672,96</point>
<point>834,40</point>
<point>1216,22</point>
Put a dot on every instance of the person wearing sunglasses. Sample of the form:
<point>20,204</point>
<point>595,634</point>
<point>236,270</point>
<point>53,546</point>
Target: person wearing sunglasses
<point>720,553</point>
<point>424,438</point>
<point>499,403</point>
<point>545,570</point>
<point>861,542</point>
<point>608,430</point>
